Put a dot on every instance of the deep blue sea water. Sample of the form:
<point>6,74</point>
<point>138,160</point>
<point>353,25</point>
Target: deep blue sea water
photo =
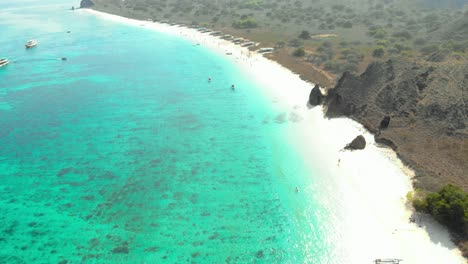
<point>125,153</point>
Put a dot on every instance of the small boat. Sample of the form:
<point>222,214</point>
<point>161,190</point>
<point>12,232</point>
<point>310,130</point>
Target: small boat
<point>388,261</point>
<point>31,43</point>
<point>265,50</point>
<point>238,40</point>
<point>248,44</point>
<point>216,33</point>
<point>4,62</point>
<point>227,37</point>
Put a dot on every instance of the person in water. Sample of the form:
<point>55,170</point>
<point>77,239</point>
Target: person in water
<point>297,189</point>
<point>232,87</point>
<point>209,79</point>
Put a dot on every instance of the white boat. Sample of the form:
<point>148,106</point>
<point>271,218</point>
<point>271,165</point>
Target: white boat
<point>4,62</point>
<point>31,43</point>
<point>265,50</point>
<point>387,261</point>
<point>227,37</point>
<point>248,44</point>
<point>238,40</point>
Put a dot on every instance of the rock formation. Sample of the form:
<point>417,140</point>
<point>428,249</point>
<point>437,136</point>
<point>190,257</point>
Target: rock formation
<point>316,97</point>
<point>385,122</point>
<point>86,4</point>
<point>420,110</point>
<point>358,143</point>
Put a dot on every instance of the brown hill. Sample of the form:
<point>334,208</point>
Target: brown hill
<point>427,107</point>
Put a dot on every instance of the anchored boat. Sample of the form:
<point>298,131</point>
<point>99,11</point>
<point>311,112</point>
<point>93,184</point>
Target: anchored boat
<point>31,43</point>
<point>4,62</point>
<point>387,261</point>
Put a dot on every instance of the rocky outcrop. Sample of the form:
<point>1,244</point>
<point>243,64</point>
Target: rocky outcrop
<point>385,122</point>
<point>357,144</point>
<point>316,97</point>
<point>86,4</point>
<point>419,110</point>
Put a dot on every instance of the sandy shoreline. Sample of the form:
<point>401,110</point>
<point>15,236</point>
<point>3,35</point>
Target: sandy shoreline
<point>371,184</point>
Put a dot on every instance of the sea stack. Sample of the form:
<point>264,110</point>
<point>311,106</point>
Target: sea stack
<point>315,97</point>
<point>385,122</point>
<point>86,4</point>
<point>357,144</point>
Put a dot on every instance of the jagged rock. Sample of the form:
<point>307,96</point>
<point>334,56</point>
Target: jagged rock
<point>385,122</point>
<point>86,4</point>
<point>358,143</point>
<point>426,101</point>
<point>316,97</point>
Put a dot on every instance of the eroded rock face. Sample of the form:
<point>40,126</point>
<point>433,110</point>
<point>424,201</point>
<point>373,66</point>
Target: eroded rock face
<point>86,4</point>
<point>419,110</point>
<point>315,97</point>
<point>357,144</point>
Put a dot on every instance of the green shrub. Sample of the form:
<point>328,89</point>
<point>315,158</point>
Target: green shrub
<point>245,23</point>
<point>449,206</point>
<point>347,24</point>
<point>251,4</point>
<point>402,34</point>
<point>295,43</point>
<point>401,47</point>
<point>377,32</point>
<point>419,41</point>
<point>456,46</point>
<point>378,52</point>
<point>382,42</point>
<point>331,65</point>
<point>429,49</point>
<point>299,52</point>
<point>304,34</point>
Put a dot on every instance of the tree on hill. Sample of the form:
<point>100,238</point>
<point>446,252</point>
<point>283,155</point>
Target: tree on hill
<point>304,34</point>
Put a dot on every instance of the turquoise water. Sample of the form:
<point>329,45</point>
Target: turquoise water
<point>124,153</point>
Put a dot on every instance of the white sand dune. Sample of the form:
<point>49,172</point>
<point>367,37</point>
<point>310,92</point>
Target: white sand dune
<point>370,184</point>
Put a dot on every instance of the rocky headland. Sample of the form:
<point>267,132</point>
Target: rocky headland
<point>417,109</point>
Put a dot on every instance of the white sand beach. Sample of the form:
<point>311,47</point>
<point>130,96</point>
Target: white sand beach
<point>371,184</point>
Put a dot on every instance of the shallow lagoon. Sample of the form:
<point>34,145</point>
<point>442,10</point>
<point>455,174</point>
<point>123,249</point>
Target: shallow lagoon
<point>126,153</point>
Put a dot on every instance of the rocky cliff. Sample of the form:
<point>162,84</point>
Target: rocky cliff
<point>420,110</point>
<point>86,4</point>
